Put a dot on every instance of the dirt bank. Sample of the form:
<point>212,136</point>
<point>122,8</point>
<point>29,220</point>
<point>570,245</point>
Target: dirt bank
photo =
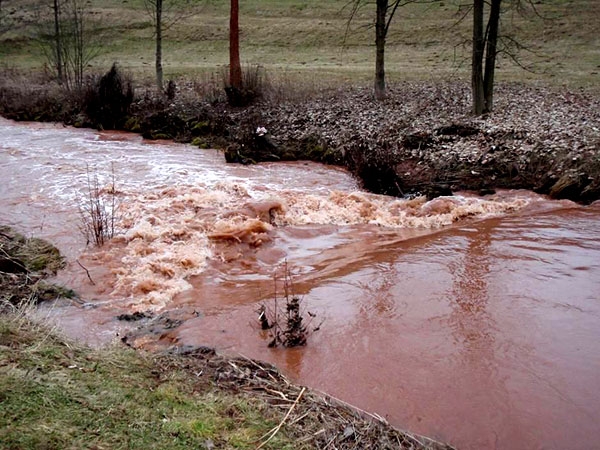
<point>25,263</point>
<point>420,140</point>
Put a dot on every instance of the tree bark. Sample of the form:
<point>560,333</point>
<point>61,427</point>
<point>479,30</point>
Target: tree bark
<point>477,59</point>
<point>57,43</point>
<point>380,35</point>
<point>235,68</point>
<point>159,67</point>
<point>490,55</point>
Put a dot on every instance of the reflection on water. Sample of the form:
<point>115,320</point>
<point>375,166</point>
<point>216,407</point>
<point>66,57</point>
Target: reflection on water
<point>484,333</point>
<point>472,325</point>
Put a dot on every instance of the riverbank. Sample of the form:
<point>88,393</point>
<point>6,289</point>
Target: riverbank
<point>58,393</point>
<point>420,140</point>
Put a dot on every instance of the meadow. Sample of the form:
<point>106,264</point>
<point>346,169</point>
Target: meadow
<point>554,41</point>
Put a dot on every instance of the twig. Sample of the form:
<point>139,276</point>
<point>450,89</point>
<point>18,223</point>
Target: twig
<point>267,371</point>
<point>278,427</point>
<point>277,393</point>
<point>14,261</point>
<point>86,271</point>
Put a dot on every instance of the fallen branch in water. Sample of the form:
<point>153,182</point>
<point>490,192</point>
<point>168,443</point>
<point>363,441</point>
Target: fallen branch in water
<point>86,271</point>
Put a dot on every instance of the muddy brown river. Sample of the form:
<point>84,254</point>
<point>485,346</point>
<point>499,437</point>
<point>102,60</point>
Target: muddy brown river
<point>475,321</point>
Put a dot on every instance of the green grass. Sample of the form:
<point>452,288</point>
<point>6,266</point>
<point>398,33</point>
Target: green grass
<point>55,394</point>
<point>307,37</point>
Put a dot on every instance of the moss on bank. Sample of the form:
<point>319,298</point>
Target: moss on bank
<point>24,264</point>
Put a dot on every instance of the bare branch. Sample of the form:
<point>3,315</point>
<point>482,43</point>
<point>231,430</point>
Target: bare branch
<point>356,6</point>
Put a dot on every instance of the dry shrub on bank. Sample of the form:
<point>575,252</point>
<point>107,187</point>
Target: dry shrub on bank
<point>33,97</point>
<point>290,87</point>
<point>266,86</point>
<point>254,86</point>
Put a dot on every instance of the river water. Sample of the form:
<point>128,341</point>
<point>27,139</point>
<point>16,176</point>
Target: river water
<point>475,321</point>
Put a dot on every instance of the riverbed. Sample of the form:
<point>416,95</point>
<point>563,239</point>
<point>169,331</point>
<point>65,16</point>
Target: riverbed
<point>473,320</point>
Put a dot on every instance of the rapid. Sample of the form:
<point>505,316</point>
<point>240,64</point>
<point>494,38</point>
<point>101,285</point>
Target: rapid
<point>475,321</point>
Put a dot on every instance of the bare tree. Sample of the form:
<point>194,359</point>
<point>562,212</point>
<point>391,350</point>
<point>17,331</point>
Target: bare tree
<point>485,51</point>
<point>477,58</point>
<point>385,12</point>
<point>58,46</point>
<point>165,14</point>
<point>71,43</point>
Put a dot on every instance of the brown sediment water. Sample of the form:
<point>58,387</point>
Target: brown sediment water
<point>474,321</point>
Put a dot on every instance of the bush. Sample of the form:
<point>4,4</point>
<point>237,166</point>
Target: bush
<point>107,101</point>
<point>289,323</point>
<point>24,96</point>
<point>98,211</point>
<point>254,86</point>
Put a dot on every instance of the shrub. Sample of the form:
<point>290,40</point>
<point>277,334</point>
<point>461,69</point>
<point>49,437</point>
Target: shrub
<point>107,101</point>
<point>254,86</point>
<point>287,323</point>
<point>98,211</point>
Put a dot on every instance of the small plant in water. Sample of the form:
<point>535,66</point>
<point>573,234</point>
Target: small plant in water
<point>98,210</point>
<point>286,320</point>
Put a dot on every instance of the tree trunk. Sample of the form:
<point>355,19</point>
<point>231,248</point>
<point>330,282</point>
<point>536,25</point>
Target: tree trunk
<point>477,59</point>
<point>235,68</point>
<point>490,55</point>
<point>159,67</point>
<point>380,34</point>
<point>57,43</point>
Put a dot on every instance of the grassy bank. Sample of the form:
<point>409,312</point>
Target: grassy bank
<point>307,40</point>
<point>58,394</point>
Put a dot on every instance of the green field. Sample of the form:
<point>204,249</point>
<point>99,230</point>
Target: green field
<point>306,37</point>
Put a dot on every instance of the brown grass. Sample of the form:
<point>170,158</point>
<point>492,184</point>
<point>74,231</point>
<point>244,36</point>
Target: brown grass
<point>306,40</point>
